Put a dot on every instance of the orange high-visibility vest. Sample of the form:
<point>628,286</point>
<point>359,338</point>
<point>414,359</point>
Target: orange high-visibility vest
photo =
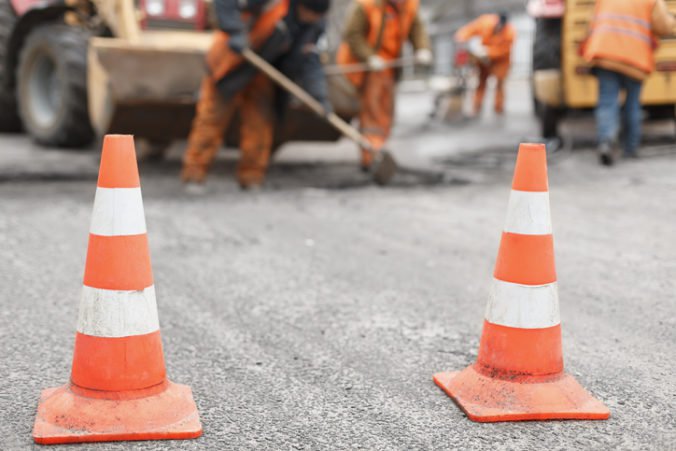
<point>498,45</point>
<point>221,60</point>
<point>621,32</point>
<point>395,29</point>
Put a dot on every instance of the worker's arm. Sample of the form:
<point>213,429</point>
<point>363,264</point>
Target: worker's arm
<point>356,32</point>
<point>229,18</point>
<point>663,22</point>
<point>469,31</point>
<point>418,34</point>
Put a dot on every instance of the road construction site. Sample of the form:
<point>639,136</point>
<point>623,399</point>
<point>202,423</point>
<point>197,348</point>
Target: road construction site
<point>313,314</point>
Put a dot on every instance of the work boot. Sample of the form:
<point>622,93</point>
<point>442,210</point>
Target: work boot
<point>251,187</point>
<point>366,160</point>
<point>630,155</point>
<point>194,188</point>
<point>250,181</point>
<point>606,153</point>
<point>152,151</point>
<point>192,173</point>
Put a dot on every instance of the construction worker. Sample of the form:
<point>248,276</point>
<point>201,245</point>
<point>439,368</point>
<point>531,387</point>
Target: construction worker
<point>492,55</point>
<point>285,33</point>
<point>620,49</point>
<point>374,36</point>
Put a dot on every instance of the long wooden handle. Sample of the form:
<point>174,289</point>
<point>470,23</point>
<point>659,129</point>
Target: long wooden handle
<point>342,69</point>
<point>312,103</point>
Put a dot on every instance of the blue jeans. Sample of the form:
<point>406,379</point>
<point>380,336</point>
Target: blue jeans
<point>608,109</point>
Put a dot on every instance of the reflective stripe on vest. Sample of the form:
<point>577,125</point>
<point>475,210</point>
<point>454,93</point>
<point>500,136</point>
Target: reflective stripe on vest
<point>220,59</point>
<point>394,34</point>
<point>621,32</point>
<point>623,24</point>
<point>388,50</point>
<point>608,29</point>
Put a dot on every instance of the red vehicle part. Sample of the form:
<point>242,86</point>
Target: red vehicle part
<point>546,9</point>
<point>461,58</point>
<point>179,14</point>
<point>21,6</point>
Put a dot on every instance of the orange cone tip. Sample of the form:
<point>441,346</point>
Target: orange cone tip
<point>118,388</point>
<point>519,373</point>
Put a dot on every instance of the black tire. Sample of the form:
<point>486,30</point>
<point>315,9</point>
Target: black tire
<point>661,112</point>
<point>52,86</point>
<point>546,52</point>
<point>9,117</point>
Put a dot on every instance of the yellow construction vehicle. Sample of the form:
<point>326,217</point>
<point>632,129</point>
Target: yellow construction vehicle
<point>71,70</point>
<point>562,82</point>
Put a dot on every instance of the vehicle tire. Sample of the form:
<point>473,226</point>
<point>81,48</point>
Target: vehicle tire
<point>9,117</point>
<point>546,53</point>
<point>52,86</point>
<point>661,112</point>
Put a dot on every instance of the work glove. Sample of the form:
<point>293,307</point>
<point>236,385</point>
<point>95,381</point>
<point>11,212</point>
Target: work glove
<point>423,57</point>
<point>376,63</point>
<point>238,42</point>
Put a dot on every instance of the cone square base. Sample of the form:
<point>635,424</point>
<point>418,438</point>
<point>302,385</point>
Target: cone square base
<point>485,399</point>
<point>66,417</point>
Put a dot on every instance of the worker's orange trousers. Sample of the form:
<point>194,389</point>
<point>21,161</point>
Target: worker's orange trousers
<point>484,73</point>
<point>377,110</point>
<point>255,107</point>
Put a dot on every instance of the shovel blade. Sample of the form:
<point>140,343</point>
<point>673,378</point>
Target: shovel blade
<point>383,168</point>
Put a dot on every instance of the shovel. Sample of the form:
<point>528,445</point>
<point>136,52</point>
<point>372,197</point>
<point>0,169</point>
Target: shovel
<point>343,69</point>
<point>383,166</point>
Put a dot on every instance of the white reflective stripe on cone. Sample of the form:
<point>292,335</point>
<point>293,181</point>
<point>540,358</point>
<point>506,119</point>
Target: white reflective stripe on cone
<point>117,212</point>
<point>111,313</point>
<point>528,213</point>
<point>523,306</point>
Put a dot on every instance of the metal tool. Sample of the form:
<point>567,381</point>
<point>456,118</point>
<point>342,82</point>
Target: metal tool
<point>383,166</point>
<point>340,69</point>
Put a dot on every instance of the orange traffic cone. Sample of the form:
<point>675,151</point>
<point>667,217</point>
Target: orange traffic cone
<point>118,388</point>
<point>519,374</point>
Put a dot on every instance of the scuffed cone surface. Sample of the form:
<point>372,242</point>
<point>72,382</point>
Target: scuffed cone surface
<point>486,399</point>
<point>66,417</point>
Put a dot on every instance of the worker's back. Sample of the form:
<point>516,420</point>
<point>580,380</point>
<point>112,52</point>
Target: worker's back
<point>498,43</point>
<point>621,37</point>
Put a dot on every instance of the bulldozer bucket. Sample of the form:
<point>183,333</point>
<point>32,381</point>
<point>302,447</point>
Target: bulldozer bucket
<point>146,86</point>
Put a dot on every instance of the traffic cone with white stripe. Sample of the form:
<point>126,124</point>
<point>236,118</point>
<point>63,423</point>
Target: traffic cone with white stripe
<point>519,373</point>
<point>118,388</point>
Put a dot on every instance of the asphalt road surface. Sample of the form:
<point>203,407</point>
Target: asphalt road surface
<point>313,314</point>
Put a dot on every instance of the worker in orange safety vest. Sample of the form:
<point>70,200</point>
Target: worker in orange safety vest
<point>285,33</point>
<point>375,34</point>
<point>620,48</point>
<point>492,55</point>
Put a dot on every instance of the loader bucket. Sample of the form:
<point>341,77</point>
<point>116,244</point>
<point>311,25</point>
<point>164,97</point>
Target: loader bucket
<point>148,86</point>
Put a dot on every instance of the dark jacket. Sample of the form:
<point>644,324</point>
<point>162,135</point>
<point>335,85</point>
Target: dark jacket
<point>291,48</point>
<point>301,62</point>
<point>228,13</point>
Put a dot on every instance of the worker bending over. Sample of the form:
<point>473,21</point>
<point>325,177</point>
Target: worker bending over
<point>375,34</point>
<point>284,32</point>
<point>493,56</point>
<point>620,49</point>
